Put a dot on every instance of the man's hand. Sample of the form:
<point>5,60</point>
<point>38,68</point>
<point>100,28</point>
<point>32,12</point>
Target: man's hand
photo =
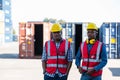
<point>90,71</point>
<point>44,66</point>
<point>80,69</point>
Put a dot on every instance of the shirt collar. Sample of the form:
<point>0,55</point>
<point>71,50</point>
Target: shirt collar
<point>60,40</point>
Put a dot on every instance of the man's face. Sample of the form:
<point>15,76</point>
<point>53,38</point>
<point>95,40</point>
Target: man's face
<point>56,35</point>
<point>91,34</point>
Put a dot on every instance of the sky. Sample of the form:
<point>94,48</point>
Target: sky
<point>96,11</point>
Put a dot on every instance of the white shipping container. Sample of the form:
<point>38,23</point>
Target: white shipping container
<point>1,39</point>
<point>1,15</point>
<point>1,27</point>
<point>1,22</point>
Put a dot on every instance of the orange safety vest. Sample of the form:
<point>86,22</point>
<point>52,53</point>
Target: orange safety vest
<point>56,58</point>
<point>91,59</point>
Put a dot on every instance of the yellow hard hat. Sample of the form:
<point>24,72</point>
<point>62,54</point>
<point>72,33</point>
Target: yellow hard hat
<point>92,26</point>
<point>56,27</point>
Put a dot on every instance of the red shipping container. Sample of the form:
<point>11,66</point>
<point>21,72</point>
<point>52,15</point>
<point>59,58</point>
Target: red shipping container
<point>32,36</point>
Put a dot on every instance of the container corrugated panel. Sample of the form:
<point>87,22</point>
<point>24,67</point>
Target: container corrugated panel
<point>113,33</point>
<point>104,33</point>
<point>67,31</point>
<point>108,50</point>
<point>105,29</point>
<point>113,38</point>
<point>8,37</point>
<point>118,40</point>
<point>63,30</point>
<point>22,40</point>
<point>106,39</point>
<point>8,22</point>
<point>113,29</point>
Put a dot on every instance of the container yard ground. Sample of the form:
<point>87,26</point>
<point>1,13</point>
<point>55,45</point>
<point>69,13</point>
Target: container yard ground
<point>13,68</point>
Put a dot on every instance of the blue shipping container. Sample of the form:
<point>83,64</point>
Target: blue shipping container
<point>118,40</point>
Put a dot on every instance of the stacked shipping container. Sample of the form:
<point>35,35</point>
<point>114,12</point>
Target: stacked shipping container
<point>109,34</point>
<point>6,34</point>
<point>8,22</point>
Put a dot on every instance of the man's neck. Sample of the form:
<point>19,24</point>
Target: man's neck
<point>57,40</point>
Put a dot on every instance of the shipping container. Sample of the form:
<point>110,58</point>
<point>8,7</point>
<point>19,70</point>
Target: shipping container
<point>67,31</point>
<point>32,37</point>
<point>6,8</point>
<point>78,36</point>
<point>108,35</point>
<point>73,32</point>
<point>76,33</point>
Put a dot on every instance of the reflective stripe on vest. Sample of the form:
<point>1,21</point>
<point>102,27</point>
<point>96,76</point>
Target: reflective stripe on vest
<point>48,48</point>
<point>98,50</point>
<point>66,47</point>
<point>55,65</point>
<point>85,68</point>
<point>55,57</point>
<point>92,60</point>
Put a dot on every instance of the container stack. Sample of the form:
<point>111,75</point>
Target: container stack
<point>109,35</point>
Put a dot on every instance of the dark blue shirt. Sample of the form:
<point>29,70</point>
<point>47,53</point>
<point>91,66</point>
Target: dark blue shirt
<point>103,57</point>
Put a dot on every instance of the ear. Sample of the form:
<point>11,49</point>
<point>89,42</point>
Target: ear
<point>96,32</point>
<point>60,32</point>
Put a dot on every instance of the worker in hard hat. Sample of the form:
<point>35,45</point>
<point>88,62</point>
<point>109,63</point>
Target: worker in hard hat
<point>93,54</point>
<point>56,56</point>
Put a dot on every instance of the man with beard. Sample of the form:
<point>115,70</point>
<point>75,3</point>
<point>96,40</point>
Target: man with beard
<point>93,55</point>
<point>56,56</point>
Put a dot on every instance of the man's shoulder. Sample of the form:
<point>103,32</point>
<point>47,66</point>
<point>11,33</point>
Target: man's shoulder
<point>49,40</point>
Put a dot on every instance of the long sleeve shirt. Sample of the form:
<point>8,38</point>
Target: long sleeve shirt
<point>69,58</point>
<point>103,57</point>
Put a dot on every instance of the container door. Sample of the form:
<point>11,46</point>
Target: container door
<point>78,36</point>
<point>22,40</point>
<point>38,37</point>
<point>29,40</point>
